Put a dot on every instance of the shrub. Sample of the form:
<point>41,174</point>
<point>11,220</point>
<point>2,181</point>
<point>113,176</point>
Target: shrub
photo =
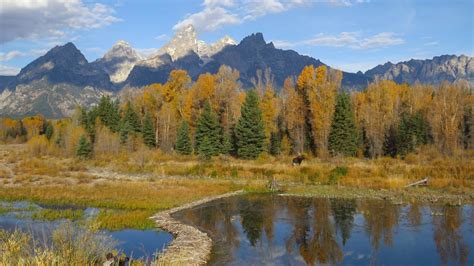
<point>38,145</point>
<point>337,173</point>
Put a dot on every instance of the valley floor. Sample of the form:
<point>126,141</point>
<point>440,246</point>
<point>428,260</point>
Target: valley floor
<point>142,186</point>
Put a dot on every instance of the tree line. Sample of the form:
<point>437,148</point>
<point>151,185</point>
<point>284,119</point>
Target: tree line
<point>310,114</point>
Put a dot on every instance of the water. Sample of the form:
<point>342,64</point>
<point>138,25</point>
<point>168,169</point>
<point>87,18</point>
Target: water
<point>135,243</point>
<point>275,230</point>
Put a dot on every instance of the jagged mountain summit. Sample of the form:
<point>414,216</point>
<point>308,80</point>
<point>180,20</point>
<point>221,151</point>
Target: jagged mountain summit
<point>184,43</point>
<point>54,84</point>
<point>251,54</point>
<point>64,64</point>
<point>430,71</point>
<point>118,61</point>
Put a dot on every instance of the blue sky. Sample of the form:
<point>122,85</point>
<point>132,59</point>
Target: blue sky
<point>348,34</point>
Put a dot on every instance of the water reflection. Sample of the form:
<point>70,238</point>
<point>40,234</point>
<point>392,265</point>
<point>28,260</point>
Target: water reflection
<point>274,230</point>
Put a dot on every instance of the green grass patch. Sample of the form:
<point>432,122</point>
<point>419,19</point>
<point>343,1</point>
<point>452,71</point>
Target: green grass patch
<point>52,214</point>
<point>114,220</point>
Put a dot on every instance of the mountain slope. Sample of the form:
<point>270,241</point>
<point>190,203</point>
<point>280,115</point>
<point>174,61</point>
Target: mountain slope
<point>430,71</point>
<point>64,64</point>
<point>54,84</point>
<point>251,54</point>
<point>118,61</point>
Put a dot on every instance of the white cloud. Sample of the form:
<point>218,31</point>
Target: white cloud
<point>218,13</point>
<point>30,19</point>
<point>352,40</point>
<point>15,54</point>
<point>383,39</point>
<point>10,55</point>
<point>8,71</point>
<point>209,19</point>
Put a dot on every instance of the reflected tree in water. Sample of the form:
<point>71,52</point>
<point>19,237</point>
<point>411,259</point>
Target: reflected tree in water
<point>298,213</point>
<point>381,217</point>
<point>414,215</point>
<point>343,212</point>
<point>314,233</point>
<point>252,219</point>
<point>449,241</point>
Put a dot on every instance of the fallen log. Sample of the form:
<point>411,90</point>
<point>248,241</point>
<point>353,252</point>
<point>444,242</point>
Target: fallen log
<point>422,182</point>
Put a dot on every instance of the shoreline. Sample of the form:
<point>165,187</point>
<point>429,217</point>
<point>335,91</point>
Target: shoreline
<point>189,246</point>
<point>397,196</point>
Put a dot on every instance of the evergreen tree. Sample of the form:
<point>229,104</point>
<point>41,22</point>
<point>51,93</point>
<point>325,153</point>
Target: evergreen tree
<point>109,113</point>
<point>208,140</point>
<point>130,123</point>
<point>275,143</point>
<point>149,132</point>
<point>183,142</point>
<point>391,142</point>
<point>226,143</point>
<point>49,131</point>
<point>249,131</point>
<point>84,150</point>
<point>413,131</point>
<point>125,129</point>
<point>343,138</point>
<point>131,117</point>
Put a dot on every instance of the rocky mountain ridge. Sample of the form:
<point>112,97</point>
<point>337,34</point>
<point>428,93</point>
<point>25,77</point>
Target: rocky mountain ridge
<point>55,83</point>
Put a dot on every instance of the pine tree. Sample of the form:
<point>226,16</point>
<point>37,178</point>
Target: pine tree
<point>109,113</point>
<point>208,140</point>
<point>275,143</point>
<point>125,129</point>
<point>343,137</point>
<point>249,131</point>
<point>49,131</point>
<point>84,150</point>
<point>226,144</point>
<point>183,142</point>
<point>149,132</point>
<point>413,131</point>
<point>131,117</point>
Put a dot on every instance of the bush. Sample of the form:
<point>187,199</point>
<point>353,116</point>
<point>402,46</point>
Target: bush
<point>38,145</point>
<point>336,174</point>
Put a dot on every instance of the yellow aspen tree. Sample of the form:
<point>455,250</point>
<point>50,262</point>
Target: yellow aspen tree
<point>293,115</point>
<point>33,125</point>
<point>169,112</point>
<point>268,105</point>
<point>320,87</point>
<point>379,109</point>
<point>228,96</point>
<point>446,114</point>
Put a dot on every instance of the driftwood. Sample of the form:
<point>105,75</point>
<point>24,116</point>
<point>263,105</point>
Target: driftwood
<point>190,246</point>
<point>422,182</point>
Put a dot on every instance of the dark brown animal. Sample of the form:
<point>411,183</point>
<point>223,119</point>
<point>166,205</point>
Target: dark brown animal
<point>297,160</point>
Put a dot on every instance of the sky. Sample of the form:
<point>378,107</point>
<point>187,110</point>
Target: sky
<point>351,35</point>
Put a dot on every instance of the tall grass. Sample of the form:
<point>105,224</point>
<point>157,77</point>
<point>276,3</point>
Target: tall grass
<point>70,245</point>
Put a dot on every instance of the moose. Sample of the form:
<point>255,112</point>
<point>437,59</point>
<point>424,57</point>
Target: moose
<point>298,159</point>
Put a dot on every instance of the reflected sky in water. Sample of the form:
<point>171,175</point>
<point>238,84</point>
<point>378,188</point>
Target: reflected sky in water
<point>134,243</point>
<point>276,230</point>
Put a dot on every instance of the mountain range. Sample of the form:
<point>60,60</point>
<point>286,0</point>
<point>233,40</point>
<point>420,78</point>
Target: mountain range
<point>55,83</point>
